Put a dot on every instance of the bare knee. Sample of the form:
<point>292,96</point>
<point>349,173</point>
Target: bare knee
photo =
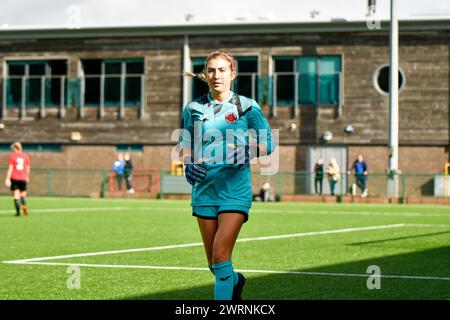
<point>220,254</point>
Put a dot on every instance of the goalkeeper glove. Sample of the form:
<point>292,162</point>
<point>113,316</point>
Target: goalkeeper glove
<point>194,172</point>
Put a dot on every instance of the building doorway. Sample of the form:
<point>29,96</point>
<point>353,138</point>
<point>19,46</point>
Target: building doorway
<point>340,153</point>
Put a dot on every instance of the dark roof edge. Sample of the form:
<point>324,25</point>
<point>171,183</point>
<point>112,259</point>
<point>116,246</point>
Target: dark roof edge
<point>216,29</point>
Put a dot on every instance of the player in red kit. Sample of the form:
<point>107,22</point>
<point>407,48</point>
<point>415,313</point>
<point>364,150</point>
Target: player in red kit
<point>17,177</point>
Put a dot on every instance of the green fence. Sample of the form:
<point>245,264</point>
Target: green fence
<point>95,183</point>
<point>66,182</point>
<point>409,184</point>
<point>302,183</point>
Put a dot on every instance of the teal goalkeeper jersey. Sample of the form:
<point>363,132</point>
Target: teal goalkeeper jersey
<point>209,130</point>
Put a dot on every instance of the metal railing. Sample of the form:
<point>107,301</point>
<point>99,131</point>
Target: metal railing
<point>410,184</point>
<point>97,183</point>
<point>303,183</point>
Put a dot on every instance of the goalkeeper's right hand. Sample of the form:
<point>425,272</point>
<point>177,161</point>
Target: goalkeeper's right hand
<point>194,172</point>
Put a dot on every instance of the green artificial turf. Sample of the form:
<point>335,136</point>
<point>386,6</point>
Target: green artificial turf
<point>330,265</point>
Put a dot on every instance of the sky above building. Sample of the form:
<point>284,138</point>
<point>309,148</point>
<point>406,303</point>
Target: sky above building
<point>103,13</point>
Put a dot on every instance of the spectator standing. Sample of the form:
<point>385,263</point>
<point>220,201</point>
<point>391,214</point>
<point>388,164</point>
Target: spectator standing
<point>119,167</point>
<point>361,173</point>
<point>128,172</point>
<point>318,176</point>
<point>333,174</point>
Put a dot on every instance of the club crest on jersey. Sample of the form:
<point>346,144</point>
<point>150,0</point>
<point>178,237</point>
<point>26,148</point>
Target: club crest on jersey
<point>231,117</point>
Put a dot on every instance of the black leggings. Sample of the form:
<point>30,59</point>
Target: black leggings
<point>318,183</point>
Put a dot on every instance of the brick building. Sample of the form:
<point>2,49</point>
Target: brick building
<point>121,89</point>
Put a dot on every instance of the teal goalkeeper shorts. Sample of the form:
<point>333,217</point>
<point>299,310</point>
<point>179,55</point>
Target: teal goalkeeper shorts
<point>212,212</point>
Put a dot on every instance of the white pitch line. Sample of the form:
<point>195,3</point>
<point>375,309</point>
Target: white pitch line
<point>106,265</point>
<point>324,212</point>
<point>69,210</point>
<point>187,209</point>
<point>308,273</point>
<point>427,225</point>
<point>304,234</point>
<point>107,252</point>
<point>57,210</point>
<point>354,213</point>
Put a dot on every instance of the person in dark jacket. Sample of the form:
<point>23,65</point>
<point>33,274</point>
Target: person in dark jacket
<point>318,176</point>
<point>361,172</point>
<point>128,172</point>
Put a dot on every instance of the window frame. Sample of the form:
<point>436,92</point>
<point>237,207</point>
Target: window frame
<point>25,79</point>
<point>377,73</point>
<point>132,147</point>
<point>296,74</point>
<point>123,81</point>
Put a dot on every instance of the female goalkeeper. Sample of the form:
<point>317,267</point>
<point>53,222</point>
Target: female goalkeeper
<point>216,143</point>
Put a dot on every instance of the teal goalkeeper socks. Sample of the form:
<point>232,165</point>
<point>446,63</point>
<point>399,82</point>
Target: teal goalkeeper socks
<point>236,279</point>
<point>226,278</point>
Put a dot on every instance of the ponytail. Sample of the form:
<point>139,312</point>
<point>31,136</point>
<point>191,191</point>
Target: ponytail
<point>202,75</point>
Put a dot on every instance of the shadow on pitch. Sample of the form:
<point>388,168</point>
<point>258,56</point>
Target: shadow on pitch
<point>400,238</point>
<point>433,262</point>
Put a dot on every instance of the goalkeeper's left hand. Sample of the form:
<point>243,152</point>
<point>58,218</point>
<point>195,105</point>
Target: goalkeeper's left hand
<point>242,155</point>
<point>194,172</point>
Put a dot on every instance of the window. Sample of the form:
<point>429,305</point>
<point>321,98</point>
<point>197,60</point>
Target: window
<point>245,84</point>
<point>130,148</point>
<point>33,148</point>
<point>117,79</point>
<point>92,69</point>
<point>29,80</point>
<point>381,79</point>
<point>311,80</point>
<point>199,87</point>
<point>284,68</point>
